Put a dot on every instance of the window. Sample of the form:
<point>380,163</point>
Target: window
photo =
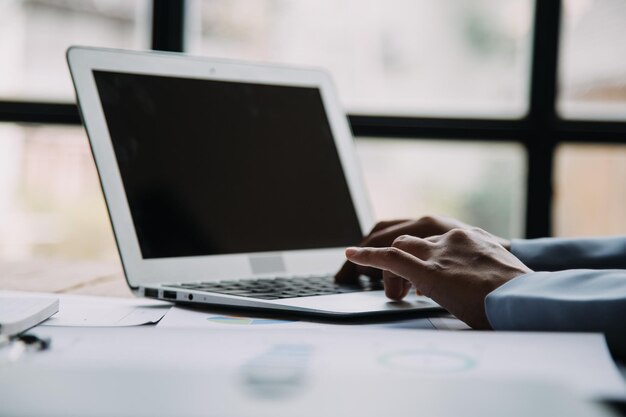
<point>479,183</point>
<point>51,204</point>
<point>590,196</point>
<point>400,58</point>
<point>34,35</point>
<point>454,105</point>
<point>593,60</point>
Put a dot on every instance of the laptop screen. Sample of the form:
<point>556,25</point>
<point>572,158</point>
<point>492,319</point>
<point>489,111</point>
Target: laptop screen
<point>215,167</point>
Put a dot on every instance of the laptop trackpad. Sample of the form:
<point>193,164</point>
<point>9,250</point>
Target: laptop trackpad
<point>360,302</point>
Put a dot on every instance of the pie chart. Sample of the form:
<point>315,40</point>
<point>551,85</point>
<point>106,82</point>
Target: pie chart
<point>428,361</point>
<point>244,321</point>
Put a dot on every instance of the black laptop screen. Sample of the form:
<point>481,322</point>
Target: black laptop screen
<point>213,167</point>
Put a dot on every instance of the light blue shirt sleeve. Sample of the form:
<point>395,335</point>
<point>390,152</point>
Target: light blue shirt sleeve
<point>579,300</point>
<point>556,254</point>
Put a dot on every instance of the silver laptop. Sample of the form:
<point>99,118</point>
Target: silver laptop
<point>229,184</point>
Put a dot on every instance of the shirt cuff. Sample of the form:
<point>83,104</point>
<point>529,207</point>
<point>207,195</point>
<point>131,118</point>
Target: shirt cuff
<point>498,307</point>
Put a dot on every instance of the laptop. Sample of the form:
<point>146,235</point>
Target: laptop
<point>228,184</point>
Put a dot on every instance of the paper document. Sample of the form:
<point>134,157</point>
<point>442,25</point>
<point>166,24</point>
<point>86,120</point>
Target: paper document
<point>254,390</point>
<point>579,361</point>
<point>90,311</point>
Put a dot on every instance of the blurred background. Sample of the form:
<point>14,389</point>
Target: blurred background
<point>399,58</point>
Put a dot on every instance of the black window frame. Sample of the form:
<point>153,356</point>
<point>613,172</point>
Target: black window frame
<point>540,131</point>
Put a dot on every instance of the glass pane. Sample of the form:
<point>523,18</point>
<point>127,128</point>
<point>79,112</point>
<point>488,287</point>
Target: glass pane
<point>480,183</point>
<point>51,204</point>
<point>590,193</point>
<point>34,35</point>
<point>403,57</point>
<point>592,70</point>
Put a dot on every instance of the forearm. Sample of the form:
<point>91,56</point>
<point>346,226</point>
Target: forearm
<point>573,300</point>
<point>555,254</point>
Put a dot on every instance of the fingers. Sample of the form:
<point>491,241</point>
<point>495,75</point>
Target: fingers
<point>350,272</point>
<point>396,288</point>
<point>420,248</point>
<point>396,285</point>
<point>422,227</point>
<point>347,274</point>
<point>384,234</point>
<point>396,261</point>
<point>385,237</point>
<point>385,224</point>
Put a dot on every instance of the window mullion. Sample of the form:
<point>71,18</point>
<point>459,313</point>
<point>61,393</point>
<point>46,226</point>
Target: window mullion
<point>168,25</point>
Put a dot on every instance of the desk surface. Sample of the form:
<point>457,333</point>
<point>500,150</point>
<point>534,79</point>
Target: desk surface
<point>104,278</point>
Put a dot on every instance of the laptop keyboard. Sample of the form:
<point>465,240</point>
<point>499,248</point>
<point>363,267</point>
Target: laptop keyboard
<point>277,288</point>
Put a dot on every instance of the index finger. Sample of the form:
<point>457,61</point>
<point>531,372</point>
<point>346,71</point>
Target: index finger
<point>349,272</point>
<point>384,236</point>
<point>396,261</point>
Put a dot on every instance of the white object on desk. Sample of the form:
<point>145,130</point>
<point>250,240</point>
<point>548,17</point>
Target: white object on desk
<point>21,312</point>
<point>90,311</point>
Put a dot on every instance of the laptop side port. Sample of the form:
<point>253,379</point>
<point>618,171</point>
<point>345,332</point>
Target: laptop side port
<point>151,292</point>
<point>169,294</point>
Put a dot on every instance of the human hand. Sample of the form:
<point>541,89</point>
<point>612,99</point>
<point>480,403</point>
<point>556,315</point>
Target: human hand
<point>457,269</point>
<point>384,233</point>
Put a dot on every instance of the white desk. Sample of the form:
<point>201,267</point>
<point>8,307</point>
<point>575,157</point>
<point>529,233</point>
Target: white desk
<point>148,371</point>
<point>168,390</point>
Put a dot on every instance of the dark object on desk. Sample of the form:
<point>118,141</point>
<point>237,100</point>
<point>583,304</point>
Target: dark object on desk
<point>618,406</point>
<point>16,346</point>
<point>35,341</point>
